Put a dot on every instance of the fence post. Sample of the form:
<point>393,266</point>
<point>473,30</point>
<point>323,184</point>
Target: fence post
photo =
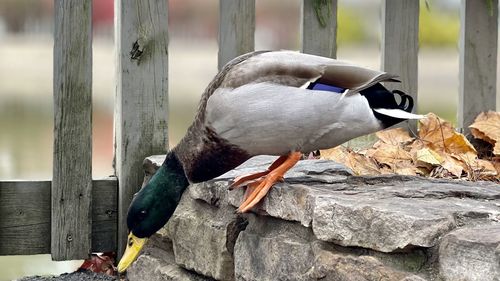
<point>478,60</point>
<point>141,107</point>
<point>400,45</point>
<point>236,29</point>
<point>72,171</point>
<point>319,28</point>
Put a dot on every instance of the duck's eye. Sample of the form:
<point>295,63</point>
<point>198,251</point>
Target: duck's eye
<point>142,214</point>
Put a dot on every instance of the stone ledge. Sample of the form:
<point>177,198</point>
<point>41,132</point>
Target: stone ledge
<point>471,253</point>
<point>369,228</point>
<point>157,263</point>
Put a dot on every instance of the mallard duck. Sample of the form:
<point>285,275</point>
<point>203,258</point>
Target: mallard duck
<point>280,103</point>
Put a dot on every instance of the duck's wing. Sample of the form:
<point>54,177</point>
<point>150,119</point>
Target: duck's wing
<point>276,102</point>
<point>266,103</point>
<point>268,118</point>
<point>298,70</point>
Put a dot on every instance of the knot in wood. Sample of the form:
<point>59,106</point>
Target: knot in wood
<point>109,213</point>
<point>136,51</point>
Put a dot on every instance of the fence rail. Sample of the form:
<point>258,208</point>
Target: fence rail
<point>25,224</point>
<point>73,216</point>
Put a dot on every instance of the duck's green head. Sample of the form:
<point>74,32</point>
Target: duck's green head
<point>153,206</point>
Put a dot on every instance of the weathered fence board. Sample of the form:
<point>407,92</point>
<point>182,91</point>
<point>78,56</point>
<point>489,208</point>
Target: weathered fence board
<point>319,28</point>
<point>25,216</point>
<point>141,108</point>
<point>478,60</point>
<point>72,171</point>
<point>236,29</point>
<point>104,215</point>
<point>400,45</point>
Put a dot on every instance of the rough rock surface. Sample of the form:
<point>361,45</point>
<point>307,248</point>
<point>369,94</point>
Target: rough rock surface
<point>271,249</point>
<point>322,223</point>
<point>203,237</point>
<point>471,254</point>
<point>157,263</point>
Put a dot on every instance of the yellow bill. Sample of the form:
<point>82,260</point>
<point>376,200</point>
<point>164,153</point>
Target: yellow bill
<point>134,246</point>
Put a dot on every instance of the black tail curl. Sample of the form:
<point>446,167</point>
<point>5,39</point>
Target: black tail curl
<point>404,99</point>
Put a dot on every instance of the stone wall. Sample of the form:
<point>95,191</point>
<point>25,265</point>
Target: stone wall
<point>322,223</point>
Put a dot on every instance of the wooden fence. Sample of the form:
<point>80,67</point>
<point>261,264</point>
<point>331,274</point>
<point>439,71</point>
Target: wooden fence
<point>74,215</point>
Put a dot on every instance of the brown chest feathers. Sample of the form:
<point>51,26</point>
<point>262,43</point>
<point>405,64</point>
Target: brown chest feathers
<point>205,156</point>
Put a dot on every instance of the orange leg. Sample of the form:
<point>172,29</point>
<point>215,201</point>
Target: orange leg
<point>275,173</point>
<point>242,179</point>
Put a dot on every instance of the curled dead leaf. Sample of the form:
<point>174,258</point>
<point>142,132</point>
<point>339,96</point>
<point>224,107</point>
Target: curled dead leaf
<point>440,135</point>
<point>487,127</point>
<point>434,130</point>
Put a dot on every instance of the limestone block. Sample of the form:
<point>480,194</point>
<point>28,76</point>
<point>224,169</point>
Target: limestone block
<point>384,225</point>
<point>333,266</point>
<point>152,268</point>
<point>293,199</point>
<point>471,254</point>
<point>393,213</point>
<point>203,237</point>
<point>157,263</point>
<point>385,213</point>
<point>270,249</point>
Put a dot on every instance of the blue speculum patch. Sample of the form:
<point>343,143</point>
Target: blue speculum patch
<point>324,87</point>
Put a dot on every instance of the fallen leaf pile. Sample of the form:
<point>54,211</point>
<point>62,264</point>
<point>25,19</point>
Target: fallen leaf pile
<point>438,151</point>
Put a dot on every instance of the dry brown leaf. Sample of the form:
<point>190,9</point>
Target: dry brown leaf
<point>395,158</point>
<point>389,154</point>
<point>484,169</point>
<point>394,136</point>
<point>362,165</point>
<point>406,168</point>
<point>455,150</point>
<point>434,130</point>
<point>338,154</point>
<point>487,127</point>
<point>439,152</point>
<point>359,164</point>
<point>440,135</point>
<point>428,156</point>
<point>496,164</point>
<point>458,144</point>
<point>453,165</point>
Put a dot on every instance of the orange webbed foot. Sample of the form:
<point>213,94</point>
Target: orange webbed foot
<point>259,188</point>
<point>240,180</point>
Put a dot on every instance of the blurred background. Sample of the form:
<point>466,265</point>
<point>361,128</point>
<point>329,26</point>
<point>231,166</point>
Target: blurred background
<point>26,106</point>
